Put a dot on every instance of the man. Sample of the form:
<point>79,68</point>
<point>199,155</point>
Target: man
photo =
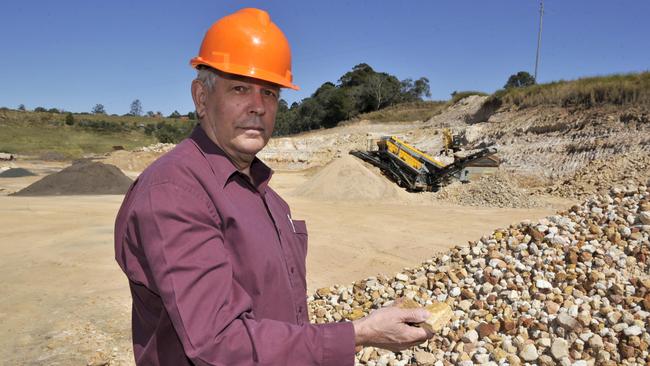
<point>215,261</point>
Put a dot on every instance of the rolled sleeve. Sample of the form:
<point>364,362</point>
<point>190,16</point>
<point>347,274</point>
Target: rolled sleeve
<point>179,232</point>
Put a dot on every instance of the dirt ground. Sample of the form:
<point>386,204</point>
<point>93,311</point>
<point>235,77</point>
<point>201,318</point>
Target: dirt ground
<point>65,300</point>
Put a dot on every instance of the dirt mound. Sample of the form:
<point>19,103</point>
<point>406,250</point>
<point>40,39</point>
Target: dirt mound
<point>461,113</point>
<point>82,177</point>
<point>348,178</point>
<point>16,173</point>
<point>489,191</point>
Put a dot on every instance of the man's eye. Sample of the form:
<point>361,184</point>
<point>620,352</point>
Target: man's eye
<point>239,88</point>
<point>270,93</point>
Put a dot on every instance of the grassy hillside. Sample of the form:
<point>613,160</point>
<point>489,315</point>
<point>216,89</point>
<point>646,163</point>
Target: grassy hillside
<point>617,89</point>
<point>49,135</point>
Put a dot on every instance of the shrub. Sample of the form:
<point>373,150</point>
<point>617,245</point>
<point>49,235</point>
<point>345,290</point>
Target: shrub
<point>69,119</point>
<point>170,133</point>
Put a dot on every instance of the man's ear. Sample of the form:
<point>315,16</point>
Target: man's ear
<point>199,95</point>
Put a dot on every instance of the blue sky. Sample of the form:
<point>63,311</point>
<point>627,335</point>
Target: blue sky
<point>75,54</point>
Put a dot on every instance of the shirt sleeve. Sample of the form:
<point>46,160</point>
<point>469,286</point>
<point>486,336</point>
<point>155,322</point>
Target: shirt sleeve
<point>179,231</point>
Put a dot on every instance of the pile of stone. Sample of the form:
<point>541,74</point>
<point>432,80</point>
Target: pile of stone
<point>157,148</point>
<point>496,190</point>
<point>80,178</point>
<point>15,173</point>
<point>571,289</point>
<point>599,175</point>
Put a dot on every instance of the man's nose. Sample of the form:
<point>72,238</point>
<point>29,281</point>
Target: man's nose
<point>256,105</point>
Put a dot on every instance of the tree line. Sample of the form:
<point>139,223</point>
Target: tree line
<point>358,91</point>
<point>135,110</point>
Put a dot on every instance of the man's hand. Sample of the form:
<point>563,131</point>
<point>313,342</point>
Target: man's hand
<point>389,328</point>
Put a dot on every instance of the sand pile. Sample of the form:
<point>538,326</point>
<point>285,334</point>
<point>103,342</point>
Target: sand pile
<point>16,173</point>
<point>489,191</point>
<point>348,178</point>
<point>82,177</point>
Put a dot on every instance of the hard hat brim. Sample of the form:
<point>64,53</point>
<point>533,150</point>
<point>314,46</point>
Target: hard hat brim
<point>251,72</point>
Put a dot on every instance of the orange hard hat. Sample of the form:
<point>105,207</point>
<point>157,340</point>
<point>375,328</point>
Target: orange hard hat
<point>248,43</point>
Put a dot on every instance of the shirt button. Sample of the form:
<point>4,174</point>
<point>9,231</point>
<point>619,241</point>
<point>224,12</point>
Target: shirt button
<point>292,270</point>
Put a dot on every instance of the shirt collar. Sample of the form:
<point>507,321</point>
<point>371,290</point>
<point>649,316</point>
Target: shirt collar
<point>223,168</point>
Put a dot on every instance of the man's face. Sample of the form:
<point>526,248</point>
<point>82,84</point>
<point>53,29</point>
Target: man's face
<point>238,114</point>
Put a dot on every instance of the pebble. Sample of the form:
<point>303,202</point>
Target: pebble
<point>559,349</point>
<point>425,358</point>
<point>543,284</point>
<point>595,342</point>
<point>634,330</point>
<point>644,217</point>
<point>544,342</point>
<point>529,353</point>
<point>485,329</point>
<point>567,321</point>
<point>481,359</point>
<point>401,277</point>
<point>470,336</point>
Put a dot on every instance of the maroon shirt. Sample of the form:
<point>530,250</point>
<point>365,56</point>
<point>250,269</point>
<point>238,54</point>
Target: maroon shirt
<point>216,267</point>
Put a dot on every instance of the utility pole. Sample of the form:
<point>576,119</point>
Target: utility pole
<point>539,35</point>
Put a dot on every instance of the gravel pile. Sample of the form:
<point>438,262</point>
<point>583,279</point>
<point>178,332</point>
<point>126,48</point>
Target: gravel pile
<point>82,177</point>
<point>158,148</point>
<point>16,173</point>
<point>600,175</point>
<point>489,191</point>
<point>571,289</point>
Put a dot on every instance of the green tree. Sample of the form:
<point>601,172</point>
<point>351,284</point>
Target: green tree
<point>413,91</point>
<point>283,119</point>
<point>335,102</point>
<point>358,76</point>
<point>381,90</point>
<point>360,90</point>
<point>21,107</point>
<point>40,109</point>
<point>520,80</point>
<point>136,108</point>
<point>175,114</point>
<point>98,109</point>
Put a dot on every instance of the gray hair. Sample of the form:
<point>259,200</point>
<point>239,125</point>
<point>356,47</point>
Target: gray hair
<point>207,76</point>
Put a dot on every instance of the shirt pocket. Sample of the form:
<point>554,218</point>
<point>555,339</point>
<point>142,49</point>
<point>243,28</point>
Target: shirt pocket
<point>300,235</point>
<point>299,247</point>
